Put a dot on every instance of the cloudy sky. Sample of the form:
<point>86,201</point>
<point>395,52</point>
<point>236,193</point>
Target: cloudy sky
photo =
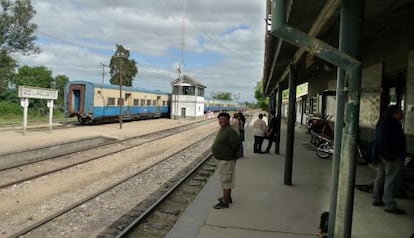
<point>223,40</point>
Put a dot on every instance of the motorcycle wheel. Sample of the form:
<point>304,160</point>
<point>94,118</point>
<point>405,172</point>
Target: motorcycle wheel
<point>322,154</point>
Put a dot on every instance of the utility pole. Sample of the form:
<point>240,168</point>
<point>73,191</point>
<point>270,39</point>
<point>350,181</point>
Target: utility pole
<point>180,66</point>
<point>121,101</point>
<point>103,71</point>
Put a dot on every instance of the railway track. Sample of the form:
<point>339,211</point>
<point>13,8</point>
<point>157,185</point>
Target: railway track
<point>163,210</point>
<point>33,169</point>
<point>30,230</point>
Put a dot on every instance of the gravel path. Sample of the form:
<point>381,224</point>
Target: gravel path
<point>25,203</point>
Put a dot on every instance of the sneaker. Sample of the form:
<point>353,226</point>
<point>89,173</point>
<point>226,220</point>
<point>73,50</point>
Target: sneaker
<point>395,211</point>
<point>220,199</point>
<point>221,205</point>
<point>378,203</point>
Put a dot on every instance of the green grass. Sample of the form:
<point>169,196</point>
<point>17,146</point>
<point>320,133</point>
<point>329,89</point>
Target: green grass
<point>32,117</point>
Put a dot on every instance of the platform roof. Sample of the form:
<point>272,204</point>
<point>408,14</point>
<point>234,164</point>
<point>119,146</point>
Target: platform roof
<point>320,18</point>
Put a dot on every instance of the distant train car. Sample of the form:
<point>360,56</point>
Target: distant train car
<point>217,105</point>
<point>92,102</point>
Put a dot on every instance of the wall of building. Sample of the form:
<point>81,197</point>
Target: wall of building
<point>194,106</point>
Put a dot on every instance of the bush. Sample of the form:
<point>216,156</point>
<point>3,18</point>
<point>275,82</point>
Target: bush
<point>7,108</point>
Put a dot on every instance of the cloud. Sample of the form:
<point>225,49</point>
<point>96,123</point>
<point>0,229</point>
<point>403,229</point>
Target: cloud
<point>223,43</point>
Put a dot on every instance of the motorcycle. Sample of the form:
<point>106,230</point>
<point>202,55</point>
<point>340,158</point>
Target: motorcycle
<point>320,127</point>
<point>325,150</point>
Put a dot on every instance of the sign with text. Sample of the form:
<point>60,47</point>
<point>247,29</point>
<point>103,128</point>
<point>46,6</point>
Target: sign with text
<point>39,93</point>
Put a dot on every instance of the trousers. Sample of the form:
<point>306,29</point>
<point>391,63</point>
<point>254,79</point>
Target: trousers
<point>258,141</point>
<point>386,182</point>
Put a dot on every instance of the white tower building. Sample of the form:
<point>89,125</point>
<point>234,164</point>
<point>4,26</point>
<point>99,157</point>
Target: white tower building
<point>187,100</point>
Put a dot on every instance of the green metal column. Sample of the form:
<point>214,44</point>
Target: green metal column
<point>279,118</point>
<point>339,125</point>
<point>290,137</point>
<point>351,17</point>
<point>273,101</point>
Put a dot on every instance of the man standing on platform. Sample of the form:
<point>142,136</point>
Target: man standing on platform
<point>390,146</point>
<point>226,149</point>
<point>271,131</point>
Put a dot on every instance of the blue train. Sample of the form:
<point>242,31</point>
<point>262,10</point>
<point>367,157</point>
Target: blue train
<point>93,102</point>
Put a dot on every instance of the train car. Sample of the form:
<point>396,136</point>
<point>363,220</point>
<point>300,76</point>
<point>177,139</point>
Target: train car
<point>92,102</point>
<point>217,105</point>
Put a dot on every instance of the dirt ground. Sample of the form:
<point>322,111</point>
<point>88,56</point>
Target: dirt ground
<point>14,140</point>
<point>25,203</point>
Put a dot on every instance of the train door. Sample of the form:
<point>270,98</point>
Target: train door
<point>159,103</point>
<point>128,104</point>
<point>76,99</point>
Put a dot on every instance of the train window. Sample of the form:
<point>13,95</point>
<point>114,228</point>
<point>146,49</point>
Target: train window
<point>142,102</point>
<point>163,103</point>
<point>136,102</point>
<point>110,102</point>
<point>154,102</point>
<point>148,102</point>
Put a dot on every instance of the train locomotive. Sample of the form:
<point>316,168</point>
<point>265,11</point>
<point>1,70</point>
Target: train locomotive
<point>93,102</point>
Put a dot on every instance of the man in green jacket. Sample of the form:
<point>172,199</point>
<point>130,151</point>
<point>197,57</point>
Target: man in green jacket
<point>226,149</point>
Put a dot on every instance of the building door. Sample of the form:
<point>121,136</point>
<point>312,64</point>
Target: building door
<point>183,112</point>
<point>393,90</point>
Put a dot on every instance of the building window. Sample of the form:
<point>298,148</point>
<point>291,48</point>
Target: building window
<point>136,102</point>
<point>200,92</point>
<point>110,102</point>
<point>188,90</point>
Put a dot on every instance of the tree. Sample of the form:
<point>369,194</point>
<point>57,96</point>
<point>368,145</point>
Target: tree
<point>222,95</point>
<point>59,84</point>
<point>7,69</point>
<point>122,67</point>
<point>36,77</point>
<point>262,100</point>
<point>16,30</point>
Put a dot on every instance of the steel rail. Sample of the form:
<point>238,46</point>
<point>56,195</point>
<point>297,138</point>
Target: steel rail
<point>129,228</point>
<point>8,184</point>
<point>96,194</point>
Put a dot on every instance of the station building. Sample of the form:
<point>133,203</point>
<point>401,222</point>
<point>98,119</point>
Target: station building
<point>187,99</point>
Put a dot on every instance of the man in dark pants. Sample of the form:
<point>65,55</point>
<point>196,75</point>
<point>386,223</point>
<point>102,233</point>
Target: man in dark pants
<point>226,149</point>
<point>271,132</point>
<point>390,146</point>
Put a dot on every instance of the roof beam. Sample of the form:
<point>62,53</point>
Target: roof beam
<point>325,17</point>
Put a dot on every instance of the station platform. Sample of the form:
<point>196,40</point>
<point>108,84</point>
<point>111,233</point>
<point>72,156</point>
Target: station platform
<point>264,207</point>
